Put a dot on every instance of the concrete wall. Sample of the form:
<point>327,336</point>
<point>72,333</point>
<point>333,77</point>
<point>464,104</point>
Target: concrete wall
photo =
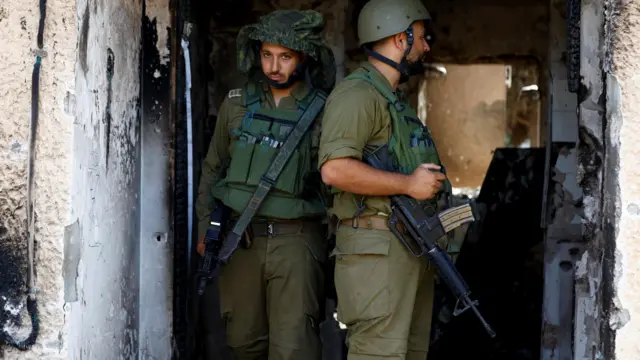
<point>53,165</point>
<point>621,217</point>
<point>593,275</point>
<point>121,183</point>
<point>87,184</point>
<point>155,297</point>
<point>105,202</point>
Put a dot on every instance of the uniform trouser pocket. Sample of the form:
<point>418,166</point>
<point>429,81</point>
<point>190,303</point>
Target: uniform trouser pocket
<point>362,276</point>
<point>295,290</point>
<point>381,291</point>
<point>270,298</point>
<point>242,302</point>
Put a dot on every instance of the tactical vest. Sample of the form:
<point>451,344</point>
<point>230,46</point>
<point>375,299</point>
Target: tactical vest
<point>411,143</point>
<point>258,139</point>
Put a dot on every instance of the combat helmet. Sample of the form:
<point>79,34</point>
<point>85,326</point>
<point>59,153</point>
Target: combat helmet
<point>297,30</point>
<point>379,19</point>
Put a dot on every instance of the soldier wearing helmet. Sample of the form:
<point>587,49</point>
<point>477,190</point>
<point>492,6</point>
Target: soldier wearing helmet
<point>271,289</point>
<point>385,294</point>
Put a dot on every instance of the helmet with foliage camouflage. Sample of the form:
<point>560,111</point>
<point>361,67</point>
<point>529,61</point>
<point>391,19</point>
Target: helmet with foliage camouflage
<point>379,19</point>
<point>297,30</point>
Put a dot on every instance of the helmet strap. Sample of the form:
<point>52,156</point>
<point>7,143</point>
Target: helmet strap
<point>404,68</point>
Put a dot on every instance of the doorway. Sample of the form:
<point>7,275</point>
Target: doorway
<point>493,147</point>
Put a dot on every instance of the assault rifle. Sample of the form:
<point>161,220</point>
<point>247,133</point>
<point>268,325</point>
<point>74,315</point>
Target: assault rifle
<point>208,274</point>
<point>212,244</point>
<point>424,231</point>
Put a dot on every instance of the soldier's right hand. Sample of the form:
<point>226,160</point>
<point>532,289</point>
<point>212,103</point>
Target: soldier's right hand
<point>200,247</point>
<point>425,182</point>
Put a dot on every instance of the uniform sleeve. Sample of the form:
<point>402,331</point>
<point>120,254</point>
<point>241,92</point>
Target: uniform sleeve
<point>211,167</point>
<point>348,123</point>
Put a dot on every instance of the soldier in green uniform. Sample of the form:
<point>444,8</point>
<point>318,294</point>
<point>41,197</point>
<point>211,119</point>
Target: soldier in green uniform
<point>271,290</point>
<point>385,294</point>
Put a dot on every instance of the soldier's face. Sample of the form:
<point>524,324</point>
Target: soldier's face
<point>420,46</point>
<point>278,62</point>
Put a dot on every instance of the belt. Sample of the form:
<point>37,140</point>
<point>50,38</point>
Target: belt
<point>373,222</point>
<point>282,227</point>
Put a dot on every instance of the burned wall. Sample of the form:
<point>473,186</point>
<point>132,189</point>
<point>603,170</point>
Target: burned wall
<point>593,283</point>
<point>620,203</point>
<point>102,278</point>
<point>156,240</point>
<point>19,28</point>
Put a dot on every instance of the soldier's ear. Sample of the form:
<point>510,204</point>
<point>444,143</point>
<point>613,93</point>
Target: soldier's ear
<point>399,41</point>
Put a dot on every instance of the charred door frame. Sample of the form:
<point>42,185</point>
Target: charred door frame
<point>179,182</point>
<point>185,258</point>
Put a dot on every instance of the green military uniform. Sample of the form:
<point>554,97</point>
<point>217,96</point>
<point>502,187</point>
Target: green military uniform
<point>385,294</point>
<point>270,291</point>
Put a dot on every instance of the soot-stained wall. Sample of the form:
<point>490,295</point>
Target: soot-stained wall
<point>103,283</point>
<point>18,31</point>
<point>620,203</point>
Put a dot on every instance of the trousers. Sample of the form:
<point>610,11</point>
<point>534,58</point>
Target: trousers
<point>385,295</point>
<point>271,296</point>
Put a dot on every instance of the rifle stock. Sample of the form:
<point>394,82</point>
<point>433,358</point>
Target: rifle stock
<point>409,218</point>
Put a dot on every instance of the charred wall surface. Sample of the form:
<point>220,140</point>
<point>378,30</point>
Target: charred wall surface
<point>19,22</point>
<point>104,234</point>
<point>616,207</point>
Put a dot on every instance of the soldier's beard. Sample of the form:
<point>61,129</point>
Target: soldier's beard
<point>411,68</point>
<point>297,75</point>
<point>408,69</point>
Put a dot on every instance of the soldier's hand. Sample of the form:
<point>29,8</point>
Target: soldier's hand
<point>425,182</point>
<point>200,248</point>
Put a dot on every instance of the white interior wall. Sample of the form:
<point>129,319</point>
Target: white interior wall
<point>621,200</point>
